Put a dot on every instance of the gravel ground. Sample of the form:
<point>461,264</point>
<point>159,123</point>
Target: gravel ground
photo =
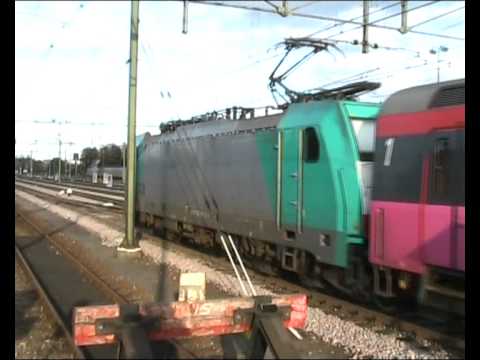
<point>36,336</point>
<point>360,342</point>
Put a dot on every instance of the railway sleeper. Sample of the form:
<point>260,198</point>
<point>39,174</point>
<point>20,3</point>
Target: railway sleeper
<point>443,289</point>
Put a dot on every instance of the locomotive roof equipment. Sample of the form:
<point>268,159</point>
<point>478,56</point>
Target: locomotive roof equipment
<point>346,92</point>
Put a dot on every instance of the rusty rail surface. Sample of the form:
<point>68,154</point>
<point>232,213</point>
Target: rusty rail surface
<point>97,280</point>
<point>67,200</point>
<point>79,354</point>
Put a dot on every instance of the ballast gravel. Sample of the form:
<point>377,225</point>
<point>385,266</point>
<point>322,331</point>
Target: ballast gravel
<point>36,334</point>
<point>360,342</point>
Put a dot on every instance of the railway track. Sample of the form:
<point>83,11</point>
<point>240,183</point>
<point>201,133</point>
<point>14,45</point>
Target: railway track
<point>116,186</point>
<point>412,327</point>
<point>100,189</point>
<point>93,285</point>
<point>37,256</point>
<point>102,197</point>
<point>78,183</point>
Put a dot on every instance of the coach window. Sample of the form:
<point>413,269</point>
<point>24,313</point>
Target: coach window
<point>440,166</point>
<point>311,146</point>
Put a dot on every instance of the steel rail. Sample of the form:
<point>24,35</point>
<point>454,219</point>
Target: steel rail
<point>47,301</point>
<point>71,182</point>
<point>68,201</point>
<point>96,189</point>
<point>98,282</point>
<point>118,204</point>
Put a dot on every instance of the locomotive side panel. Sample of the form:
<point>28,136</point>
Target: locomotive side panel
<point>200,178</point>
<point>234,173</point>
<point>232,177</point>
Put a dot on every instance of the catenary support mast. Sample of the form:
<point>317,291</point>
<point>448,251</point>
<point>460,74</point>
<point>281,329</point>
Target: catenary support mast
<point>130,243</point>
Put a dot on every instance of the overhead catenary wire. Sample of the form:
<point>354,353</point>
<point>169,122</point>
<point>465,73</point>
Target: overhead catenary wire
<point>73,17</point>
<point>375,46</point>
<point>303,6</point>
<point>320,17</point>
<point>352,19</point>
<point>375,22</point>
<point>395,72</point>
<point>149,55</point>
<point>436,17</point>
<point>349,78</point>
<point>385,73</point>
<point>454,25</point>
<point>81,124</point>
<point>389,72</point>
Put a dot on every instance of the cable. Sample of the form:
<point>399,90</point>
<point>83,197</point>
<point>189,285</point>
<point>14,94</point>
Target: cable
<point>249,65</point>
<point>374,46</point>
<point>80,124</point>
<point>349,78</point>
<point>303,6</point>
<point>149,56</point>
<point>454,25</point>
<point>411,31</point>
<point>384,18</point>
<point>352,19</point>
<point>319,17</point>
<point>396,72</point>
<point>68,22</point>
<point>272,5</point>
<point>436,17</point>
<point>391,75</point>
<point>254,293</point>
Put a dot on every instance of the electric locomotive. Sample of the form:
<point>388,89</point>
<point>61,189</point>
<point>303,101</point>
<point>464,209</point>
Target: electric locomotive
<point>291,188</point>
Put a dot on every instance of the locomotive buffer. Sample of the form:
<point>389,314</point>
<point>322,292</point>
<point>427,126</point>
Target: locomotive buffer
<point>134,326</point>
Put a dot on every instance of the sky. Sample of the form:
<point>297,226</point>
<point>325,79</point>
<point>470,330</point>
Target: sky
<point>71,61</point>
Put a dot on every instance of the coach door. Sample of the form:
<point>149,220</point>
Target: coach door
<point>444,213</point>
<point>290,180</point>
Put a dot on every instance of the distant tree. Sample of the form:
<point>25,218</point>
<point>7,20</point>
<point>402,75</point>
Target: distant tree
<point>23,163</point>
<point>88,156</point>
<point>38,167</point>
<point>52,168</point>
<point>110,156</point>
<point>19,163</point>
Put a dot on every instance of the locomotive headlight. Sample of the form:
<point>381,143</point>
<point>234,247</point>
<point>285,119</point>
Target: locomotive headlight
<point>404,281</point>
<point>324,240</point>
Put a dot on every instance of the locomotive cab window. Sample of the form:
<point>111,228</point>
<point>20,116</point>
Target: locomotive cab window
<point>311,145</point>
<point>440,166</point>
